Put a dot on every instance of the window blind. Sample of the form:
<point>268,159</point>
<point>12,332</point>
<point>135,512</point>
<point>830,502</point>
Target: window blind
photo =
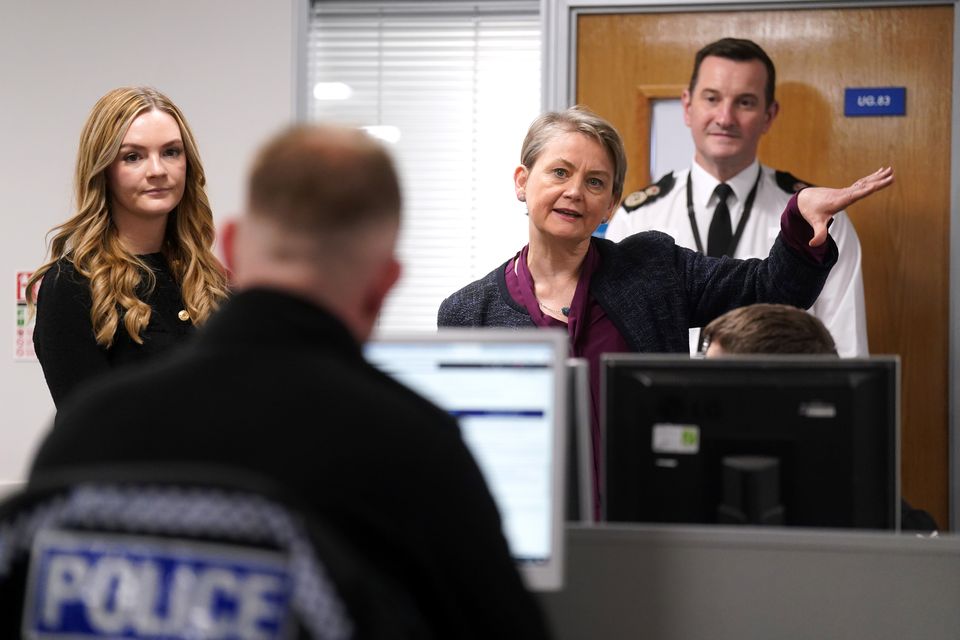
<point>451,87</point>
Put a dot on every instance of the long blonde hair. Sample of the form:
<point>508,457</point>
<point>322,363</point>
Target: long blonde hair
<point>90,242</point>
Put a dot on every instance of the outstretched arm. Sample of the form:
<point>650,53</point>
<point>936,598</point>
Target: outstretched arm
<point>819,204</point>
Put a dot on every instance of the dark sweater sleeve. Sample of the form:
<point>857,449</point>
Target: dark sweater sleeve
<point>483,303</point>
<point>797,233</point>
<point>716,285</point>
<point>451,313</point>
<point>63,335</point>
<point>468,306</point>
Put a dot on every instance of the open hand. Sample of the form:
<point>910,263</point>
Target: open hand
<point>819,204</point>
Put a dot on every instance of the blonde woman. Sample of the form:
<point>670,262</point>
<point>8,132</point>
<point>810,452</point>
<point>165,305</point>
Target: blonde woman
<point>132,272</point>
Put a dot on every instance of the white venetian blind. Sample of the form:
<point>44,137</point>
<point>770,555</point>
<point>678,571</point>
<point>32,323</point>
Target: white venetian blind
<point>452,88</point>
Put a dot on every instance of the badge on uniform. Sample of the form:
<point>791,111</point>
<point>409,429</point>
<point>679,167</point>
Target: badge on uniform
<point>649,193</point>
<point>85,585</point>
<point>635,199</point>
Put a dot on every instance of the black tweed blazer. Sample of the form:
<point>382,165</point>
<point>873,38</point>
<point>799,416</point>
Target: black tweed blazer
<point>654,291</point>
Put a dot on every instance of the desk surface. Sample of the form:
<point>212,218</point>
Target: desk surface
<point>672,583</point>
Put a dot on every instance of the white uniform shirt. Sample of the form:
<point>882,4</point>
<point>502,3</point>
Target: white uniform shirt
<point>840,306</point>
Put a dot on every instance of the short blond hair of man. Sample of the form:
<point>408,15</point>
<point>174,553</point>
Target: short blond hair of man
<point>323,179</point>
<point>322,220</point>
<point>327,196</point>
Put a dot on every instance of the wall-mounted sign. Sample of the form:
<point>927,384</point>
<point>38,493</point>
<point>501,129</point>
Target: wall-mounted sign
<point>875,101</point>
<point>24,322</point>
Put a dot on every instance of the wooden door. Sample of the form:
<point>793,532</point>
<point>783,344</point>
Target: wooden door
<point>904,231</point>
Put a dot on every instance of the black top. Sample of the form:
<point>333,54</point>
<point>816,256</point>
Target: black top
<point>64,339</point>
<point>277,386</point>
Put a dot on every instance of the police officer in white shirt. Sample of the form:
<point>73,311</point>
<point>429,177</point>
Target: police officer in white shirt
<point>728,106</point>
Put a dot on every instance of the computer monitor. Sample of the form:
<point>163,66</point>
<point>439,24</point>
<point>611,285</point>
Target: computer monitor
<point>580,483</point>
<point>799,441</point>
<point>507,388</point>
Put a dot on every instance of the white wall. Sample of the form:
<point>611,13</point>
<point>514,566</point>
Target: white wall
<point>229,65</point>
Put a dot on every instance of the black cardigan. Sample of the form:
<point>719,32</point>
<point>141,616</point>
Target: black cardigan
<point>64,339</point>
<point>654,291</point>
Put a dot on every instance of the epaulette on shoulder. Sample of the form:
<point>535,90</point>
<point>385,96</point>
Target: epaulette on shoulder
<point>650,193</point>
<point>790,183</point>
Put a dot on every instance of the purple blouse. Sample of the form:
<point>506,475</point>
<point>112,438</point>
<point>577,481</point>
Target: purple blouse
<point>591,333</point>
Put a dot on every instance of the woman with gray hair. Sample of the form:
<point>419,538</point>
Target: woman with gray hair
<point>645,292</point>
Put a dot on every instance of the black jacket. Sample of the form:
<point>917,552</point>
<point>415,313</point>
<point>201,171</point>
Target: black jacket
<point>654,291</point>
<point>63,337</point>
<point>278,386</point>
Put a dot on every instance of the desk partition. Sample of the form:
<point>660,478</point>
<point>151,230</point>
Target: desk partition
<point>724,583</point>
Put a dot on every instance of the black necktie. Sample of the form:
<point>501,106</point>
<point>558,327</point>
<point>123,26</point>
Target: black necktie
<point>721,233</point>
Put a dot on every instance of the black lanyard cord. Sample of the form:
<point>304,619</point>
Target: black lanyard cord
<point>747,207</point>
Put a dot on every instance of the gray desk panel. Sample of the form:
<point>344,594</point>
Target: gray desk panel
<point>673,583</point>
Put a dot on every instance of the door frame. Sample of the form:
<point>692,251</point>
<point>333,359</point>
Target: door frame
<point>558,78</point>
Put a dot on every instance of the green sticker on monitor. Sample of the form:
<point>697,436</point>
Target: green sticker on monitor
<point>676,438</point>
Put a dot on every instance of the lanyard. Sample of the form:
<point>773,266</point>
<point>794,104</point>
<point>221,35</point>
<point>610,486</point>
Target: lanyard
<point>747,206</point>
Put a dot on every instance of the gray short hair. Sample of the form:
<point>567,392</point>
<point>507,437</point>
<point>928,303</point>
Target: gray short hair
<point>577,119</point>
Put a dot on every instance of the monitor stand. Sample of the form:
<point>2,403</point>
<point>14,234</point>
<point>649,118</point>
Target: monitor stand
<point>751,491</point>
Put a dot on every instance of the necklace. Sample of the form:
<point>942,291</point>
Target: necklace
<point>564,310</point>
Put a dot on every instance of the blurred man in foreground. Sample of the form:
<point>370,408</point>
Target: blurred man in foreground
<point>276,383</point>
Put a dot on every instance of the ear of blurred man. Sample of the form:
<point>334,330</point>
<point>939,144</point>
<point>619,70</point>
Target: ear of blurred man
<point>228,237</point>
<point>376,293</point>
<point>349,274</point>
